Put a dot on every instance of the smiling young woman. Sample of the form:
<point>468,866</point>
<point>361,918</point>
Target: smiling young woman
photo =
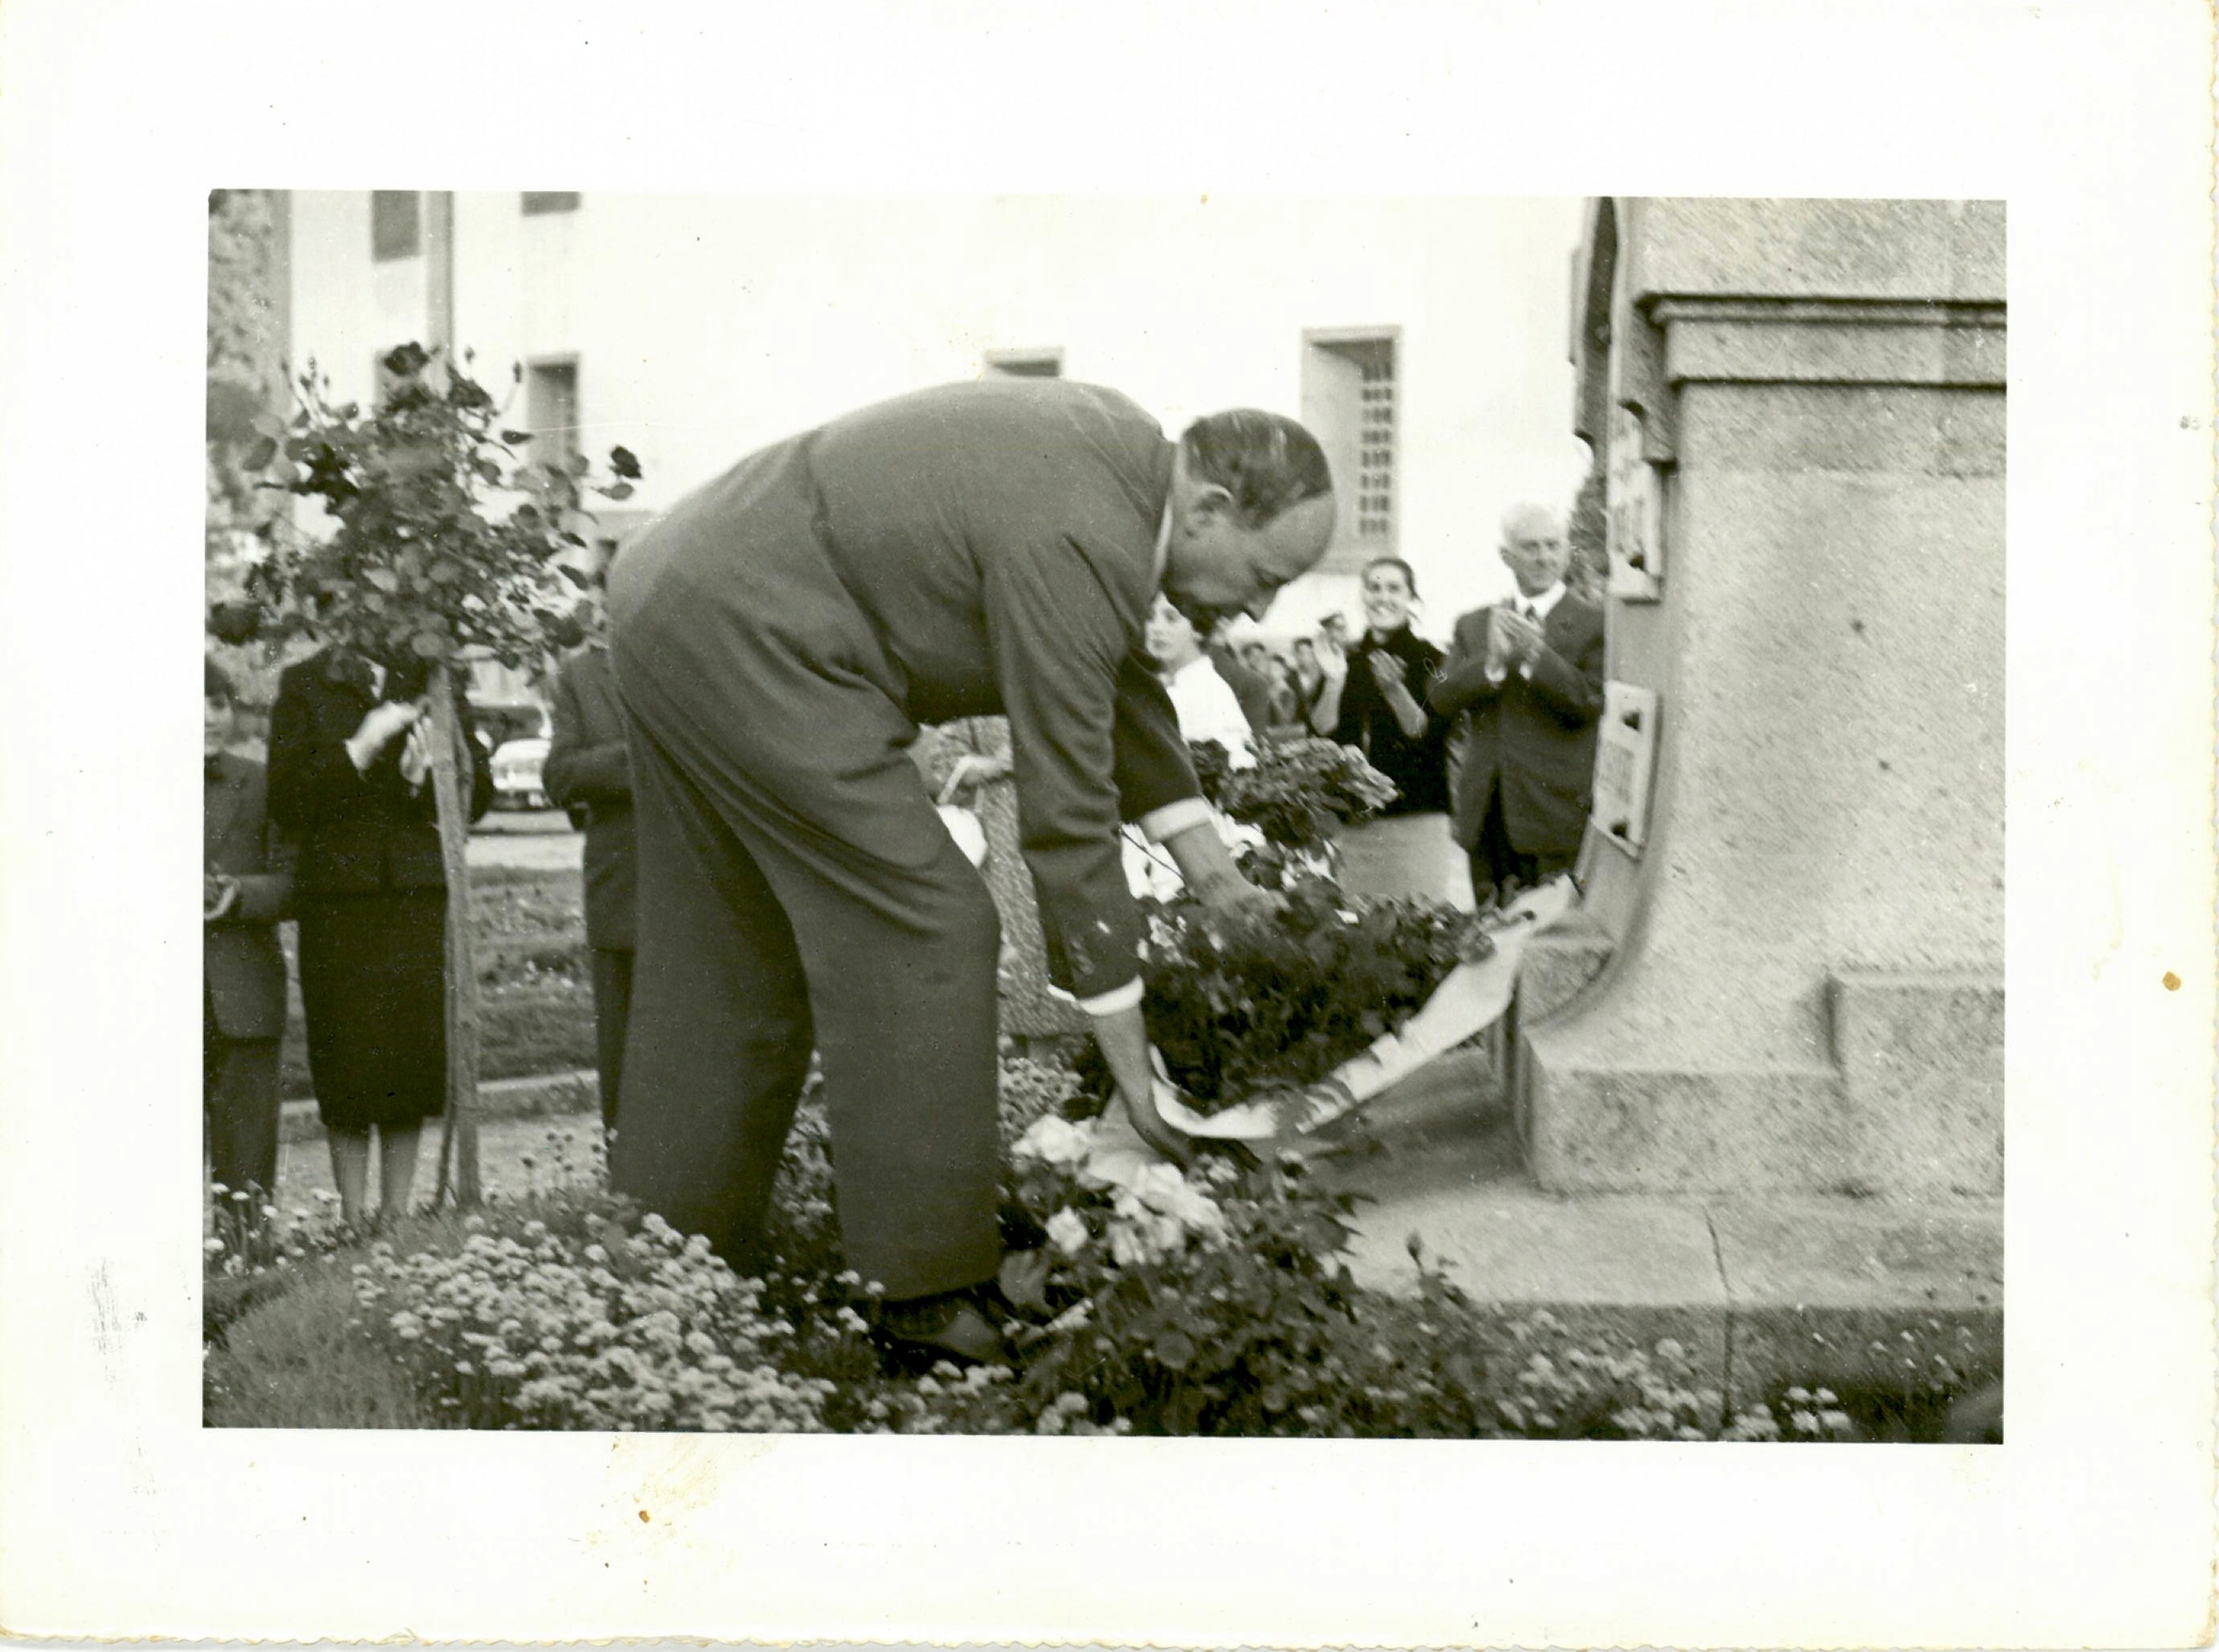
<point>1373,698</point>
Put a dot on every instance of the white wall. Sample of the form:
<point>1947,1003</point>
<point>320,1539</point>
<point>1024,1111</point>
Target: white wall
<point>707,325</point>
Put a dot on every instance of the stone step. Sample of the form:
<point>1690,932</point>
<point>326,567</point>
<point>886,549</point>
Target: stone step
<point>1762,1291</point>
<point>544,1094</point>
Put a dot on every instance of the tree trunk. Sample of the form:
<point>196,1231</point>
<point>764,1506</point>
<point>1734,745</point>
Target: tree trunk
<point>458,1141</point>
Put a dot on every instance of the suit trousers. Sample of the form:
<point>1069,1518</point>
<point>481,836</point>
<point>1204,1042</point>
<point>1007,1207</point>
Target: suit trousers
<point>612,1013</point>
<point>796,884</point>
<point>1497,869</point>
<point>239,1106</point>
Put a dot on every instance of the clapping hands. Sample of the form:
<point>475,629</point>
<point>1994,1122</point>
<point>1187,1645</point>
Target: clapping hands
<point>1333,660</point>
<point>1513,640</point>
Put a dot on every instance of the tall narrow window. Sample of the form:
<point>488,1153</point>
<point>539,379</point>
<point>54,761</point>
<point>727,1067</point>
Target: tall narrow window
<point>396,224</point>
<point>546,201</point>
<point>551,406</point>
<point>1024,364</point>
<point>1350,402</point>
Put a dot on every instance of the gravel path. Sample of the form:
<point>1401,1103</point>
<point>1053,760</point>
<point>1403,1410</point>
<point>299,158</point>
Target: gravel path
<point>564,1151</point>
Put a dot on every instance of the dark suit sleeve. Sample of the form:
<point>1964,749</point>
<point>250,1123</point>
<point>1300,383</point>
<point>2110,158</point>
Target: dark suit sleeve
<point>1082,730</point>
<point>581,768</point>
<point>1571,689</point>
<point>1153,765</point>
<point>1463,682</point>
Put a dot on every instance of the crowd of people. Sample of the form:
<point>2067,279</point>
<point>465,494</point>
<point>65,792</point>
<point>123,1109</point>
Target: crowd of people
<point>1018,595</point>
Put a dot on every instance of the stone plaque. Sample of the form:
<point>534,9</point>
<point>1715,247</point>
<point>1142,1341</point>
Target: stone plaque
<point>1626,759</point>
<point>1637,514</point>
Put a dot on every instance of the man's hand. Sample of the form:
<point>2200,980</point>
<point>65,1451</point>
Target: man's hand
<point>1521,637</point>
<point>1236,898</point>
<point>1206,867</point>
<point>972,769</point>
<point>219,895</point>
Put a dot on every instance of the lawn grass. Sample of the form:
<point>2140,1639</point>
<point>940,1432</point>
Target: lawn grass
<point>296,1363</point>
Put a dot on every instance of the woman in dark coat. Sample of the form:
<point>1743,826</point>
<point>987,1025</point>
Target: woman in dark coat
<point>349,779</point>
<point>1373,698</point>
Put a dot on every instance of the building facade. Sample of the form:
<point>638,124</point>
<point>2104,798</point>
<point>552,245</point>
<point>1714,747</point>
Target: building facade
<point>1423,339</point>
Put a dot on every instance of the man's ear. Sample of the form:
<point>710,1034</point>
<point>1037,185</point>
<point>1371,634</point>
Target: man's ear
<point>1209,501</point>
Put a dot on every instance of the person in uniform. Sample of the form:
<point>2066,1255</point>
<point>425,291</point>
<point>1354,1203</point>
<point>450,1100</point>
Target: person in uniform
<point>778,638</point>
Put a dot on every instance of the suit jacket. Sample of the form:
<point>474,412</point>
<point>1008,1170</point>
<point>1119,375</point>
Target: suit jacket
<point>359,833</point>
<point>241,963</point>
<point>1535,736</point>
<point>588,771</point>
<point>992,550</point>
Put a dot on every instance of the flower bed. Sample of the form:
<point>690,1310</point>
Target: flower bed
<point>1212,1301</point>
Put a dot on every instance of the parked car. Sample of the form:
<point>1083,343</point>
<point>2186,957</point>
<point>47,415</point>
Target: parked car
<point>519,779</point>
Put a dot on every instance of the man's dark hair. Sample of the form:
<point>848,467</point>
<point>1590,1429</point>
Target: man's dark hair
<point>1267,461</point>
<point>218,683</point>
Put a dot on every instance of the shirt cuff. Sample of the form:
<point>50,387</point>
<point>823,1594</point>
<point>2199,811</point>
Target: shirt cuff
<point>1494,676</point>
<point>1114,1001</point>
<point>1526,670</point>
<point>1161,825</point>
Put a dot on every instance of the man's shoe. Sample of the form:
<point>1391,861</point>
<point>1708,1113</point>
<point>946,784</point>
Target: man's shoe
<point>951,1325</point>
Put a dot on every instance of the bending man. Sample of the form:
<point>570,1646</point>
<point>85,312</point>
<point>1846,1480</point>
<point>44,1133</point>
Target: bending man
<point>777,639</point>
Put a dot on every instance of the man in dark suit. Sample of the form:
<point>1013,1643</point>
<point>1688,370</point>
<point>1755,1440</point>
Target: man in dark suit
<point>588,772</point>
<point>246,887</point>
<point>1526,676</point>
<point>778,638</point>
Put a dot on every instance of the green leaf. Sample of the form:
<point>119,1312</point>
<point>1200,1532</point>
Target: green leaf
<point>258,456</point>
<point>1173,1349</point>
<point>383,578</point>
<point>430,644</point>
<point>527,515</point>
<point>619,490</point>
<point>622,462</point>
<point>516,438</point>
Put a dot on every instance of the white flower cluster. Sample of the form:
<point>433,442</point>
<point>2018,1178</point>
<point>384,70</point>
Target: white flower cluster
<point>1155,1211</point>
<point>662,1335</point>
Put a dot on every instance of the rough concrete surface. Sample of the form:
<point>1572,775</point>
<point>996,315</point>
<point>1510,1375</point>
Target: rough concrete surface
<point>1764,1290</point>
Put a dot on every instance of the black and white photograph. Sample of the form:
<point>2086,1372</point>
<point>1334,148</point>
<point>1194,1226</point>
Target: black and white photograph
<point>951,889</point>
<point>895,867</point>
